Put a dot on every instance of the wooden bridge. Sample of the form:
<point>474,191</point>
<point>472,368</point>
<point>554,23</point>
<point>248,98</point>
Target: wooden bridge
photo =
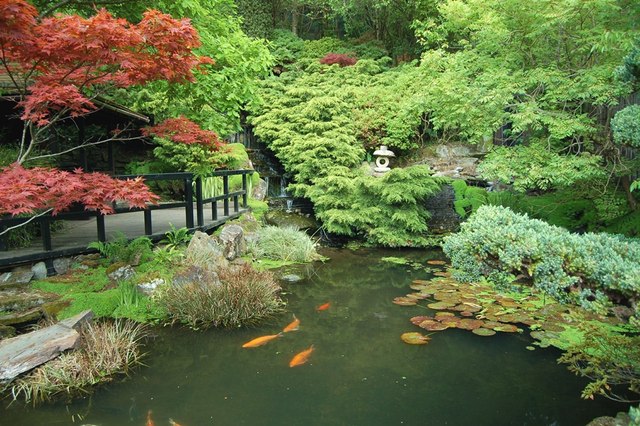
<point>196,211</point>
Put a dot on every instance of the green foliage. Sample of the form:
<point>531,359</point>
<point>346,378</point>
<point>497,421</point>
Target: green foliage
<point>502,246</point>
<point>123,250</point>
<point>256,17</point>
<point>386,211</point>
<point>468,198</point>
<point>608,359</point>
<point>220,91</point>
<point>628,225</point>
<point>258,208</point>
<point>536,167</point>
<point>242,296</point>
<point>176,237</point>
<point>287,244</point>
<point>626,126</point>
<point>193,158</point>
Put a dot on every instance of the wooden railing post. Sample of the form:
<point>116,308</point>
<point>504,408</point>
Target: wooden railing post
<point>45,230</point>
<point>225,191</point>
<point>148,224</point>
<point>4,245</point>
<point>199,206</point>
<point>188,199</point>
<point>244,188</point>
<point>102,232</point>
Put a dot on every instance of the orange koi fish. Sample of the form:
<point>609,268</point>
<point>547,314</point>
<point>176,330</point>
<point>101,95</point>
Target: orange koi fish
<point>149,419</point>
<point>293,326</point>
<point>301,358</point>
<point>173,423</point>
<point>259,341</point>
<point>323,307</point>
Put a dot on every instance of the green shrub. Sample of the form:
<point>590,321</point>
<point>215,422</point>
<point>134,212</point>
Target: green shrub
<point>287,244</point>
<point>387,211</point>
<point>500,245</point>
<point>233,297</point>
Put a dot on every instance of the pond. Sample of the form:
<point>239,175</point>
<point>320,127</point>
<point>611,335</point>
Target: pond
<point>360,373</point>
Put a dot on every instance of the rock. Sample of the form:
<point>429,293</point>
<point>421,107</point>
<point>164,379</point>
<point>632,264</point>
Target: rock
<point>283,219</point>
<point>231,239</point>
<point>6,331</point>
<point>14,300</point>
<point>21,317</point>
<point>53,308</point>
<point>122,273</point>
<point>291,278</point>
<point>204,251</point>
<point>259,191</point>
<point>39,271</point>
<point>196,275</point>
<point>444,218</point>
<point>25,352</point>
<point>15,278</point>
<point>150,287</point>
<point>61,265</point>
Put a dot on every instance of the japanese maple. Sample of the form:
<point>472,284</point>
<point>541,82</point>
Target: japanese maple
<point>57,67</point>
<point>183,130</point>
<point>338,58</point>
<point>26,190</point>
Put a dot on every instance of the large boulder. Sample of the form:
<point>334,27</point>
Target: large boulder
<point>205,251</point>
<point>259,191</point>
<point>284,219</point>
<point>231,239</point>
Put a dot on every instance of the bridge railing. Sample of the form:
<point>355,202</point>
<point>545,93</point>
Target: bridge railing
<point>194,202</point>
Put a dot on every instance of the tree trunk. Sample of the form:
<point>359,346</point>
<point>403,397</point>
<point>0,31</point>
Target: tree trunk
<point>631,199</point>
<point>295,20</point>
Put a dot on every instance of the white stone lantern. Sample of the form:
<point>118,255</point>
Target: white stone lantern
<point>382,159</point>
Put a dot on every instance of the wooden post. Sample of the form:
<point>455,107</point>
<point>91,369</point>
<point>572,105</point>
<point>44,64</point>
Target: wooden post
<point>148,225</point>
<point>4,246</point>
<point>45,230</point>
<point>199,206</point>
<point>102,233</point>
<point>244,188</point>
<point>225,191</point>
<point>188,199</point>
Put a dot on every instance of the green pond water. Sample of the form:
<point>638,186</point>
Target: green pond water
<point>361,373</point>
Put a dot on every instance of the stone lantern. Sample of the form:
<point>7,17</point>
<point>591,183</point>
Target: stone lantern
<point>382,159</point>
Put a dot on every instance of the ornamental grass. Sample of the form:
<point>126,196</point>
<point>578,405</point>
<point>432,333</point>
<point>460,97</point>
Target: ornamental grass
<point>108,348</point>
<point>230,297</point>
<point>286,244</point>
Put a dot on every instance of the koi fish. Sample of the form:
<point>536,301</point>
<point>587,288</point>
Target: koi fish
<point>323,307</point>
<point>149,419</point>
<point>301,358</point>
<point>259,341</point>
<point>173,423</point>
<point>293,326</point>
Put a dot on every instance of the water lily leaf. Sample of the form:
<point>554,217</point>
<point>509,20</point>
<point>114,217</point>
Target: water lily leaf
<point>506,328</point>
<point>492,324</point>
<point>433,325</point>
<point>442,274</point>
<point>508,303</point>
<point>444,315</point>
<point>404,301</point>
<point>483,332</point>
<point>436,262</point>
<point>466,314</point>
<point>418,319</point>
<point>441,305</point>
<point>414,338</point>
<point>470,324</point>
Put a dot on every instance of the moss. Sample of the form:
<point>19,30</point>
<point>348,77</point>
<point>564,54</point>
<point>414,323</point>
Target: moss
<point>628,225</point>
<point>80,282</point>
<point>258,208</point>
<point>102,304</point>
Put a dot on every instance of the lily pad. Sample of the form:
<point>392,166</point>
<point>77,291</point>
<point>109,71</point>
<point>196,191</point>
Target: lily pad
<point>506,328</point>
<point>470,324</point>
<point>414,338</point>
<point>441,305</point>
<point>404,301</point>
<point>483,332</point>
<point>418,319</point>
<point>433,325</point>
<point>442,274</point>
<point>436,262</point>
<point>444,315</point>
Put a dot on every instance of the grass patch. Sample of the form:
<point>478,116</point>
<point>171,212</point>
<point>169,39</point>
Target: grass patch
<point>285,244</point>
<point>108,349</point>
<point>233,297</point>
<point>91,280</point>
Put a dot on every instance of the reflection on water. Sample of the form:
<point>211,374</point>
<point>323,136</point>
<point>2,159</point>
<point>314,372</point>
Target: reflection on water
<point>360,373</point>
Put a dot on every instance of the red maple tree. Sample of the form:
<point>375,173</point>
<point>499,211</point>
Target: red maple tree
<point>183,130</point>
<point>56,67</point>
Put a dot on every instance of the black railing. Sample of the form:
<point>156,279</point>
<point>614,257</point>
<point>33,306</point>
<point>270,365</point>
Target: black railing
<point>194,202</point>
